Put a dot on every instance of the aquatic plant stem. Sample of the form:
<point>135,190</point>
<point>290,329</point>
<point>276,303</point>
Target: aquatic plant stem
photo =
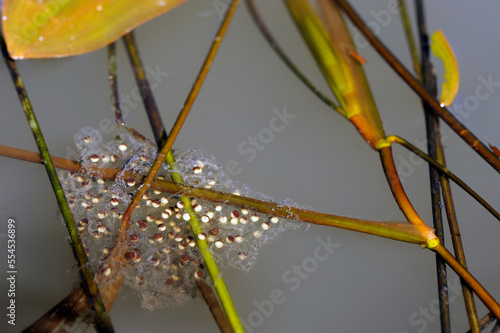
<point>482,293</point>
<point>433,242</point>
<point>211,264</point>
<point>165,151</point>
<point>215,307</point>
<point>412,46</point>
<point>110,174</point>
<point>457,243</point>
<point>115,98</point>
<point>113,85</point>
<point>288,62</point>
<point>433,140</point>
<point>445,171</point>
<point>115,261</point>
<point>391,138</point>
<point>404,232</point>
<point>485,321</point>
<point>160,134</point>
<point>101,317</point>
<point>147,97</point>
<point>443,112</point>
<point>400,194</point>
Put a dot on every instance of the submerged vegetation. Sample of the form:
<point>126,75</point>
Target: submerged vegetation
<point>313,158</point>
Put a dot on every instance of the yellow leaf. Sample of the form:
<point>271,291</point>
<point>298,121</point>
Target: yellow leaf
<point>60,28</point>
<point>442,49</point>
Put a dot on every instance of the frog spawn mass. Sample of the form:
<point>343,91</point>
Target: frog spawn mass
<point>163,257</point>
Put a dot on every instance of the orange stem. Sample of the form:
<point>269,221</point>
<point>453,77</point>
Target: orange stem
<point>399,193</point>
<point>480,291</point>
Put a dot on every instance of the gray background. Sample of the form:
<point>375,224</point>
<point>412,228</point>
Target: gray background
<point>318,160</point>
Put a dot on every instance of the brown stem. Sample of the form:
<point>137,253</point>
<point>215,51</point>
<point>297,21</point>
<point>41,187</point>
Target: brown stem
<point>113,85</point>
<point>482,293</point>
<point>433,136</point>
<point>159,132</point>
<point>147,97</point>
<point>102,320</point>
<point>485,321</point>
<point>457,242</point>
<point>288,62</point>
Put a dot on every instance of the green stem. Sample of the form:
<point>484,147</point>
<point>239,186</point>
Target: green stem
<point>457,244</point>
<point>102,320</point>
<point>213,269</point>
<point>409,37</point>
<point>480,291</point>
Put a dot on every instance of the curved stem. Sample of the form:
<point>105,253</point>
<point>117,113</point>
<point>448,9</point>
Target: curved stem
<point>482,293</point>
<point>446,172</point>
